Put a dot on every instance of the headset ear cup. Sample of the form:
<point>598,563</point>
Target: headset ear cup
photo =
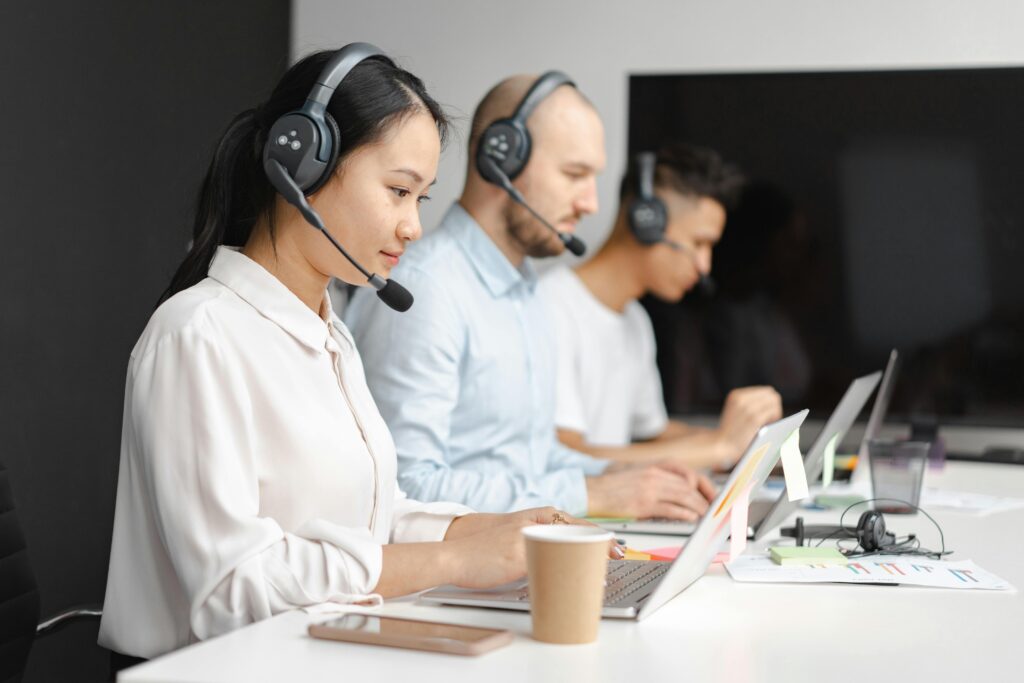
<point>507,144</point>
<point>871,531</point>
<point>648,220</point>
<point>332,160</point>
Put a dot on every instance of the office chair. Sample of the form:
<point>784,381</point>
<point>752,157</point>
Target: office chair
<point>19,595</point>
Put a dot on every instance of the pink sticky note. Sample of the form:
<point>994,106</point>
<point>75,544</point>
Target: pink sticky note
<point>738,530</point>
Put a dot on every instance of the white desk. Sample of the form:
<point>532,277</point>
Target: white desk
<point>715,630</point>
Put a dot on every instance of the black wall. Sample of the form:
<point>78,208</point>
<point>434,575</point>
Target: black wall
<point>109,114</point>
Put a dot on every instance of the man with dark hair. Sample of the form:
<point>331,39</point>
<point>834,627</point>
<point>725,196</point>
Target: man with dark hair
<point>609,401</point>
<point>466,378</point>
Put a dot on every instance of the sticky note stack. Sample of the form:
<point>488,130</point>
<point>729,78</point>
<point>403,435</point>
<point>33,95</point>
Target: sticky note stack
<point>790,555</point>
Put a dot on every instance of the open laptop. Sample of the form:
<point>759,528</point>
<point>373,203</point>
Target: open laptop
<point>765,515</point>
<point>635,588</point>
<point>853,401</point>
<point>862,472</point>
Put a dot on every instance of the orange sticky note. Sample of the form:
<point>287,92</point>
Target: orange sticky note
<point>669,553</point>
<point>634,555</point>
<point>738,520</point>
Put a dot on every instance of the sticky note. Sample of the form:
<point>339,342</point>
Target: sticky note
<point>793,467</point>
<point>636,555</point>
<point>806,555</point>
<point>830,462</point>
<point>738,520</point>
<point>669,553</point>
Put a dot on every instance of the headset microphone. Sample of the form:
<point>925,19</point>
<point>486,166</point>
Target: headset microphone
<point>705,284</point>
<point>390,292</point>
<point>571,242</point>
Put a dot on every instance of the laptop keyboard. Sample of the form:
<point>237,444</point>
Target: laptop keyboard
<point>624,578</point>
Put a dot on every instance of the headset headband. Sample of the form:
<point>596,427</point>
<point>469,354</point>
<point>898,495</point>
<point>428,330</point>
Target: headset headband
<point>541,88</point>
<point>645,165</point>
<point>343,61</point>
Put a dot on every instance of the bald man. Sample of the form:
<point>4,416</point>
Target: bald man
<point>466,378</point>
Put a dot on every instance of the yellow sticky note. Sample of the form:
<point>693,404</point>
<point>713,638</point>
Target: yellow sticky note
<point>793,467</point>
<point>830,461</point>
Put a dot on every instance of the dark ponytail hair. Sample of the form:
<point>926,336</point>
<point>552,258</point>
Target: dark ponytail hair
<point>235,193</point>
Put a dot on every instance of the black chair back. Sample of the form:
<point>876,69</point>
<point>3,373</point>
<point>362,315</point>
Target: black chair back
<point>19,596</point>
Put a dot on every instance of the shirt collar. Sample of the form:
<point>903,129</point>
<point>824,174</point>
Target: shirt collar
<point>270,297</point>
<point>491,266</point>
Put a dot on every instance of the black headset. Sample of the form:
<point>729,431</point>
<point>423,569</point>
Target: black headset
<point>648,217</point>
<point>871,534</point>
<point>507,142</point>
<point>505,145</point>
<point>306,141</point>
<point>301,152</point>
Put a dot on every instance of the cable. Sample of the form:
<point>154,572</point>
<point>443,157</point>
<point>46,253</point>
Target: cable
<point>895,548</point>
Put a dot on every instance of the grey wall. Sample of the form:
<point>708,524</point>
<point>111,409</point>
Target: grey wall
<point>462,47</point>
<point>110,112</point>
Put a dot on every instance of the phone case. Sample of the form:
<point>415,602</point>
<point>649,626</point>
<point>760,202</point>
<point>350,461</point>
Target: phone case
<point>408,634</point>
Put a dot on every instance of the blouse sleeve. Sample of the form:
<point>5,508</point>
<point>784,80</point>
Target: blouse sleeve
<point>420,522</point>
<point>192,439</point>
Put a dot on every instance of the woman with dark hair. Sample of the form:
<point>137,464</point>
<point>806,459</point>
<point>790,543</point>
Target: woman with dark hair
<point>256,473</point>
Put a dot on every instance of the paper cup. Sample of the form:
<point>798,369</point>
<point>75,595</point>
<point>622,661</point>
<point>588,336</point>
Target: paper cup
<point>567,564</point>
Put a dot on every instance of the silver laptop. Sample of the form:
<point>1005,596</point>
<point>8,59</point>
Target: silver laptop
<point>635,588</point>
<point>765,515</point>
<point>853,401</point>
<point>862,473</point>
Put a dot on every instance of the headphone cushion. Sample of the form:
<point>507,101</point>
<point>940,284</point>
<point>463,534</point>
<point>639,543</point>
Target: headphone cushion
<point>332,161</point>
<point>871,530</point>
<point>648,220</point>
<point>507,143</point>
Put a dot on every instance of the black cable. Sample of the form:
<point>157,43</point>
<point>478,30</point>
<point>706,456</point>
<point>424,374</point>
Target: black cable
<point>894,548</point>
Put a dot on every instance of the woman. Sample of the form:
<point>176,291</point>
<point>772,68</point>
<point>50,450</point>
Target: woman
<point>256,474</point>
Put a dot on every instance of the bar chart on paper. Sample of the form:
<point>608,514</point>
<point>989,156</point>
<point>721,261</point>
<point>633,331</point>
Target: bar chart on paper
<point>893,569</point>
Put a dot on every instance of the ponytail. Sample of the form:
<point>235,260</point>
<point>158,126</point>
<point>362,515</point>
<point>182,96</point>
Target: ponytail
<point>233,195</point>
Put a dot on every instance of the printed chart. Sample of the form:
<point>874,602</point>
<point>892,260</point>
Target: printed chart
<point>892,569</point>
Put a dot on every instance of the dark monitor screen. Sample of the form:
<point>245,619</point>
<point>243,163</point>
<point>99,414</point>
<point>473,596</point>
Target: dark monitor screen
<point>884,210</point>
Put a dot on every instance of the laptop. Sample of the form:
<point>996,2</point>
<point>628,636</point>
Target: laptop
<point>764,515</point>
<point>862,472</point>
<point>635,588</point>
<point>853,401</point>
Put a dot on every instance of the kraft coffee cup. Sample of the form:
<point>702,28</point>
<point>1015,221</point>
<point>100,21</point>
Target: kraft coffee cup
<point>566,566</point>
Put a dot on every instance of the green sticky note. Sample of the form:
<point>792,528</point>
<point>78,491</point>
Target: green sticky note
<point>837,500</point>
<point>789,555</point>
<point>830,461</point>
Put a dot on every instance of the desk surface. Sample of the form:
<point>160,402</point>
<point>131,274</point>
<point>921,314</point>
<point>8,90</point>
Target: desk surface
<point>715,630</point>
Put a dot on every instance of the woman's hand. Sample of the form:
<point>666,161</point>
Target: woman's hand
<point>489,550</point>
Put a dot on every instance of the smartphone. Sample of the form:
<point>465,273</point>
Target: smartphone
<point>411,634</point>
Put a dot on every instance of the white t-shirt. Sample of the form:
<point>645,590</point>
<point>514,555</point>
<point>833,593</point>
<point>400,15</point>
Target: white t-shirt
<point>256,473</point>
<point>608,385</point>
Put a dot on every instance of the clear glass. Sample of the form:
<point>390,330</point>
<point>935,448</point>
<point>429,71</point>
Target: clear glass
<point>897,472</point>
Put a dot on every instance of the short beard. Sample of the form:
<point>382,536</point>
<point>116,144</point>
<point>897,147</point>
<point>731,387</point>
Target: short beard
<point>532,237</point>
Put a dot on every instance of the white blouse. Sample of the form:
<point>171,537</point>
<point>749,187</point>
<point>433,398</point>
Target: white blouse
<point>256,473</point>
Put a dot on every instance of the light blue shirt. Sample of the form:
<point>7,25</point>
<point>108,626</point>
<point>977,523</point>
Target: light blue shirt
<point>466,378</point>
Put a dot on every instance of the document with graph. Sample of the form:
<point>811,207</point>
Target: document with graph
<point>891,569</point>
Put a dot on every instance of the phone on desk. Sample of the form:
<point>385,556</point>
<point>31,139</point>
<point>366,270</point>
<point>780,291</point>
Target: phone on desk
<point>411,634</point>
